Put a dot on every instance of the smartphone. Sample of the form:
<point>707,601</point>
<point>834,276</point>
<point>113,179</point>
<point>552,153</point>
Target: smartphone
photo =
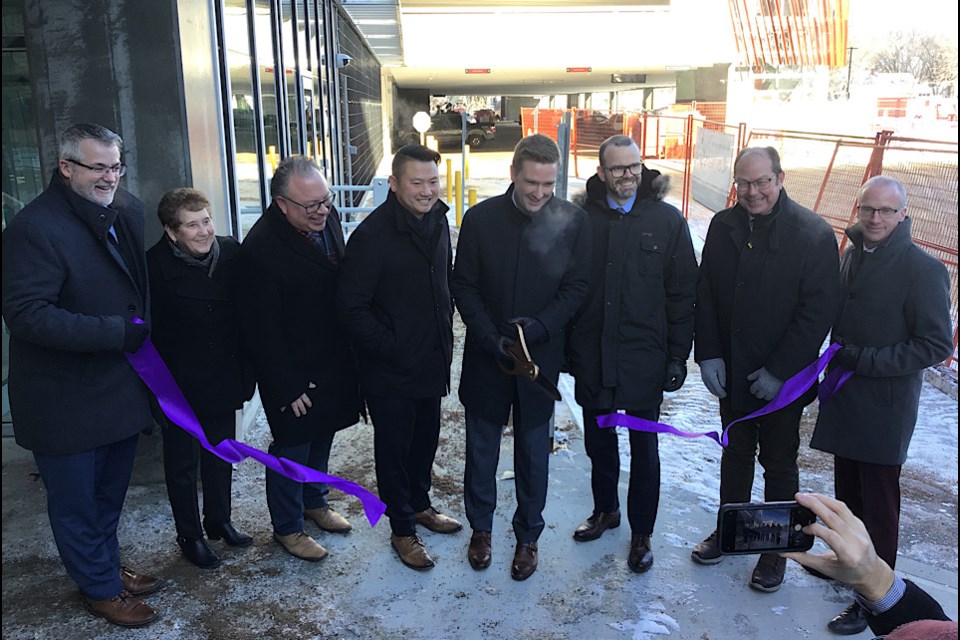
<point>760,527</point>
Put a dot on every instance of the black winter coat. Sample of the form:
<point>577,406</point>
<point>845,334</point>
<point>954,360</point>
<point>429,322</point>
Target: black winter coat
<point>286,298</point>
<point>510,264</point>
<point>639,312</point>
<point>766,298</point>
<point>395,302</point>
<point>67,295</point>
<point>896,308</point>
<point>196,330</point>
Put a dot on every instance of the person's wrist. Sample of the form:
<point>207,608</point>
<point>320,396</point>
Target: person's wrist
<point>876,583</point>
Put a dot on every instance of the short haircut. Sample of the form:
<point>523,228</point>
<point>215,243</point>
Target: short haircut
<point>618,140</point>
<point>538,148</point>
<point>72,137</point>
<point>770,152</point>
<point>412,153</point>
<point>884,181</point>
<point>289,167</point>
<point>183,198</point>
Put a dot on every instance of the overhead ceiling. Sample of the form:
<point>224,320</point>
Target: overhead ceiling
<point>543,47</point>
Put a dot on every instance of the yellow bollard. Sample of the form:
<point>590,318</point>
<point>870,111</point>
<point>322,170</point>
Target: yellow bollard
<point>449,176</point>
<point>466,162</point>
<point>459,190</point>
<point>272,156</point>
<point>471,197</point>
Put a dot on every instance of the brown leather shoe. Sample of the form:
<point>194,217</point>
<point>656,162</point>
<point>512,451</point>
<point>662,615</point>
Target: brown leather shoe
<point>768,574</point>
<point>479,552</point>
<point>640,558</point>
<point>411,552</point>
<point>302,546</point>
<point>596,524</point>
<point>328,520</point>
<point>524,561</point>
<point>437,522</point>
<point>139,584</point>
<point>708,551</point>
<point>124,610</point>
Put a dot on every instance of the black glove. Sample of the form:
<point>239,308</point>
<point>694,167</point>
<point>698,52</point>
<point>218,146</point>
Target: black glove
<point>534,332</point>
<point>676,373</point>
<point>133,336</point>
<point>496,346</point>
<point>847,357</point>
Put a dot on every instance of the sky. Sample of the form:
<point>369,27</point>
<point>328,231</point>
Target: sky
<point>876,18</point>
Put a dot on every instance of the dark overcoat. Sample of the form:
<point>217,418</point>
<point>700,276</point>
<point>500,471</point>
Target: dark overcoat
<point>510,264</point>
<point>196,330</point>
<point>67,294</point>
<point>895,308</point>
<point>286,299</point>
<point>639,312</point>
<point>395,302</point>
<point>767,297</point>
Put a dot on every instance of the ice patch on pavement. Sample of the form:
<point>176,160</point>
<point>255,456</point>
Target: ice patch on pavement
<point>651,623</point>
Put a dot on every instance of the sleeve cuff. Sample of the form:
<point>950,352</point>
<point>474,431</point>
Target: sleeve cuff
<point>887,602</point>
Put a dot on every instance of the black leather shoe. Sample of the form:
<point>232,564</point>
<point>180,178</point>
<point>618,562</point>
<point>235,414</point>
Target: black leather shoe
<point>850,621</point>
<point>596,524</point>
<point>198,552</point>
<point>226,531</point>
<point>640,558</point>
<point>768,574</point>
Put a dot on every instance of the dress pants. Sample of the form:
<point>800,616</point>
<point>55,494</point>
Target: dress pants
<point>406,432</point>
<point>287,499</point>
<point>872,491</point>
<point>85,493</point>
<point>182,454</point>
<point>778,435</point>
<point>531,461</point>
<point>643,493</point>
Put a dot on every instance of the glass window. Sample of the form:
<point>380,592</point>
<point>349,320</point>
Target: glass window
<point>266,68</point>
<point>289,36</point>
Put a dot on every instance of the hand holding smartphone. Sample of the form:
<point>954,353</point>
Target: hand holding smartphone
<point>762,527</point>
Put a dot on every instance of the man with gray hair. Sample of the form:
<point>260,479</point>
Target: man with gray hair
<point>893,322</point>
<point>74,280</point>
<point>288,270</point>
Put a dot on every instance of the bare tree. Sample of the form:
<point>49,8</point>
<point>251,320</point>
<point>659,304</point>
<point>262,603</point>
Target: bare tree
<point>928,59</point>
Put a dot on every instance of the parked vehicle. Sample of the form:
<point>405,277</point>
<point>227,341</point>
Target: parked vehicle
<point>481,116</point>
<point>447,129</point>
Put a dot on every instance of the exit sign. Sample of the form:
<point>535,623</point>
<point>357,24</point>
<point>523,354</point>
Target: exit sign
<point>475,71</point>
<point>579,69</point>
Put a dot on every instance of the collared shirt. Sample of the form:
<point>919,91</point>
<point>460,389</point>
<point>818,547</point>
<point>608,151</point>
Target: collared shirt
<point>625,207</point>
<point>893,596</point>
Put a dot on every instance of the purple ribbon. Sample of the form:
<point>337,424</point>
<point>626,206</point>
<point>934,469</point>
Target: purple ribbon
<point>790,391</point>
<point>154,372</point>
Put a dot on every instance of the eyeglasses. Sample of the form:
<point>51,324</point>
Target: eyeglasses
<point>313,207</point>
<point>101,170</point>
<point>619,170</point>
<point>866,212</point>
<point>760,183</point>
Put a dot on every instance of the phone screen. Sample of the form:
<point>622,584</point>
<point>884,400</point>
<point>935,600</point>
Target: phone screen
<point>757,528</point>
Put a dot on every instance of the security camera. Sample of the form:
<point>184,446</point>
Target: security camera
<point>343,60</point>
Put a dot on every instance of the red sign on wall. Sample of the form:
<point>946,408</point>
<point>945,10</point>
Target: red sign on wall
<point>579,69</point>
<point>475,71</point>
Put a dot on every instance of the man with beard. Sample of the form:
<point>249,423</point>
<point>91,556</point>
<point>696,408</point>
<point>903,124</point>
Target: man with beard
<point>522,259</point>
<point>630,341</point>
<point>74,279</point>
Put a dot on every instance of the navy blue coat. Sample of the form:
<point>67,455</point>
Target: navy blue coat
<point>67,295</point>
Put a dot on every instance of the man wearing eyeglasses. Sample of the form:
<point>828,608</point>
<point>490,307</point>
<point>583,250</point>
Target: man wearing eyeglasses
<point>287,275</point>
<point>630,340</point>
<point>74,278</point>
<point>767,294</point>
<point>894,321</point>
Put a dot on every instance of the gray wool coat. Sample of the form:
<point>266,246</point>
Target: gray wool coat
<point>895,311</point>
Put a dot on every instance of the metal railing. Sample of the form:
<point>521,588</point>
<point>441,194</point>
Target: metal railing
<point>374,194</point>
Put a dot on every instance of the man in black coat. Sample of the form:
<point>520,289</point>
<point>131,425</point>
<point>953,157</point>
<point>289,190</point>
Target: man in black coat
<point>288,269</point>
<point>74,278</point>
<point>630,341</point>
<point>522,258</point>
<point>197,332</point>
<point>767,294</point>
<point>894,321</point>
<point>395,302</point>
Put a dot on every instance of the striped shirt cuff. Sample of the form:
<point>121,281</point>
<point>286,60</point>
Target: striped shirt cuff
<point>885,603</point>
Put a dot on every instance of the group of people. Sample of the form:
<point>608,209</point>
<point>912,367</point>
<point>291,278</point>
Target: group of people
<point>606,287</point>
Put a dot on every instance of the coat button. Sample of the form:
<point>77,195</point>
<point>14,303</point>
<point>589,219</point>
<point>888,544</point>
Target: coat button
<point>131,307</point>
<point>102,217</point>
<point>740,284</point>
<point>209,307</point>
<point>737,332</point>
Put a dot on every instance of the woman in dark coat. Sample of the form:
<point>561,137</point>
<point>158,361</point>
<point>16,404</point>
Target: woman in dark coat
<point>196,331</point>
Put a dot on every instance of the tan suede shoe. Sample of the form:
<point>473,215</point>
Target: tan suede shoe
<point>302,546</point>
<point>328,520</point>
<point>411,552</point>
<point>437,522</point>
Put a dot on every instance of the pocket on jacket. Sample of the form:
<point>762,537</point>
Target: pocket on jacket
<point>651,256</point>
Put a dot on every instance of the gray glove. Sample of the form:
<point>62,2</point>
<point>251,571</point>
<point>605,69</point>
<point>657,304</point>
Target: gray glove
<point>713,372</point>
<point>765,386</point>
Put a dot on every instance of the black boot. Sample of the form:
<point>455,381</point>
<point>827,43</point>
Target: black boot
<point>234,538</point>
<point>850,621</point>
<point>198,552</point>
